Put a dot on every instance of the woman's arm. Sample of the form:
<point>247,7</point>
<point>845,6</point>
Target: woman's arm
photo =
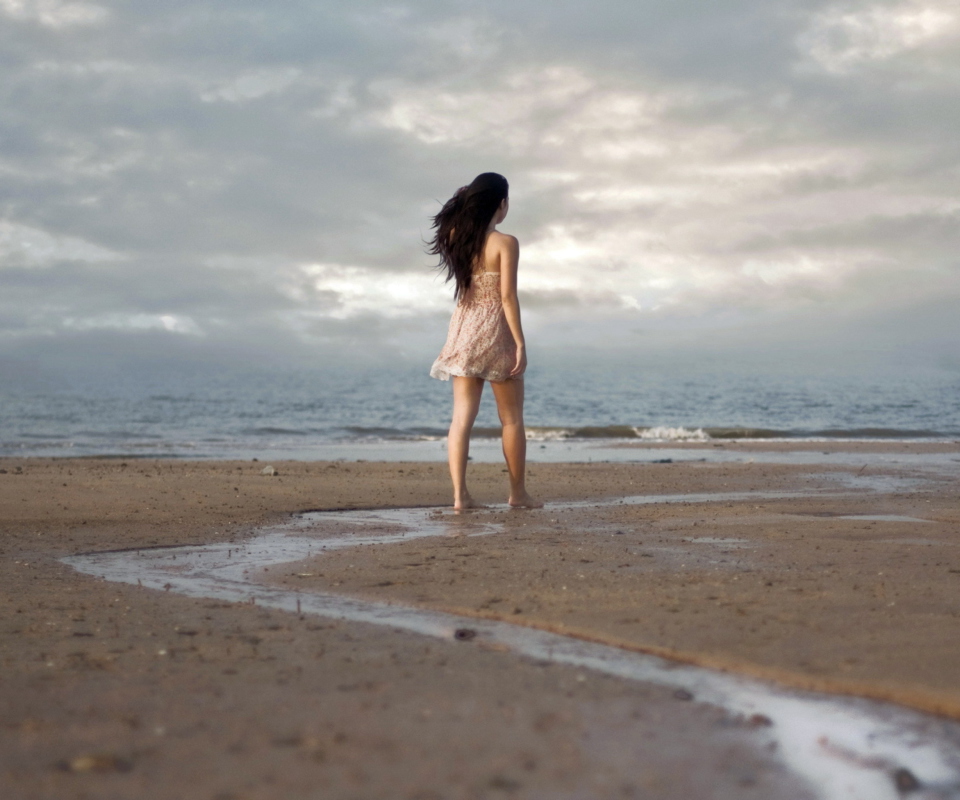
<point>509,260</point>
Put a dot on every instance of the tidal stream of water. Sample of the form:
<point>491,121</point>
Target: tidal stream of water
<point>844,748</point>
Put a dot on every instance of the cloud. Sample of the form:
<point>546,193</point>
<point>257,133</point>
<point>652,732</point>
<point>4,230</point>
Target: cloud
<point>845,37</point>
<point>53,13</point>
<point>251,85</point>
<point>24,245</point>
<point>172,323</point>
<point>243,175</point>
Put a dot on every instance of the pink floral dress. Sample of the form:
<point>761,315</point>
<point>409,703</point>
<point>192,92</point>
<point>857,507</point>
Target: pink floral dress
<point>479,342</point>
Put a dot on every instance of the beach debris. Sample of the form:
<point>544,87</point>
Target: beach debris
<point>269,470</point>
<point>905,780</point>
<point>683,694</point>
<point>96,762</point>
<point>464,634</point>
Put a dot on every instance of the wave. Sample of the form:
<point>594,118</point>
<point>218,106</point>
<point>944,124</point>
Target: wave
<point>658,433</point>
<point>667,433</point>
<point>652,433</point>
<point>404,434</point>
<point>881,433</point>
<point>115,435</point>
<point>182,443</point>
<point>663,433</point>
<point>274,431</point>
<point>754,433</point>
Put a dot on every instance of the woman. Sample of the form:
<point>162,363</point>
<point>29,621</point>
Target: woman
<point>485,341</point>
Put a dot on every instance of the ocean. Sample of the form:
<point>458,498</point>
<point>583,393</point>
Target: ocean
<point>398,412</point>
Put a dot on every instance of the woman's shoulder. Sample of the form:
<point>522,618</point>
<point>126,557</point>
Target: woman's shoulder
<point>498,239</point>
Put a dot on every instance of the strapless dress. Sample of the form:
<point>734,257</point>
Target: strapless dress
<point>479,343</point>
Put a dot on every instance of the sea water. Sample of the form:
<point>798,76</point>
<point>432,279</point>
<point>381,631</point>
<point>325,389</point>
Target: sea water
<point>398,412</point>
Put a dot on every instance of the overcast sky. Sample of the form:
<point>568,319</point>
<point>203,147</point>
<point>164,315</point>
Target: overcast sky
<point>251,179</point>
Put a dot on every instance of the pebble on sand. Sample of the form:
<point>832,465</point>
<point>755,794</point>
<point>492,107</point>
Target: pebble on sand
<point>96,762</point>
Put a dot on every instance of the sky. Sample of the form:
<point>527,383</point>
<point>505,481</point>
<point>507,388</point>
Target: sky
<point>205,183</point>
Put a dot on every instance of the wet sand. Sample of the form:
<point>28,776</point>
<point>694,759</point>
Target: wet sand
<point>112,689</point>
<point>851,593</point>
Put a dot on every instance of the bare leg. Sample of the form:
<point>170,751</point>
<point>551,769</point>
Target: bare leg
<point>509,396</point>
<point>466,403</point>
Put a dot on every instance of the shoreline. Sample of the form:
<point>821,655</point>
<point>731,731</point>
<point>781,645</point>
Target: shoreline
<point>487,450</point>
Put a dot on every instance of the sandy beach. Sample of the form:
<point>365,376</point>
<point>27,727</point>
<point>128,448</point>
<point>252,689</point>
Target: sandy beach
<point>836,577</point>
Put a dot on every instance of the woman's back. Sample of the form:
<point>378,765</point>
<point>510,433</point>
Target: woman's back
<point>490,256</point>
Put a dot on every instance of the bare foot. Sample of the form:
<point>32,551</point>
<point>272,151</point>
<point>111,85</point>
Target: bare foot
<point>524,500</point>
<point>466,503</point>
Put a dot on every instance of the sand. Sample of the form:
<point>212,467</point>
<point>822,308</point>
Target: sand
<point>112,690</point>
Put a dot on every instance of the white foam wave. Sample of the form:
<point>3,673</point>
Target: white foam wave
<point>548,434</point>
<point>664,433</point>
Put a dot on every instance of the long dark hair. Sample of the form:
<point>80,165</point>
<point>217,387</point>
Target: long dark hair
<point>462,227</point>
